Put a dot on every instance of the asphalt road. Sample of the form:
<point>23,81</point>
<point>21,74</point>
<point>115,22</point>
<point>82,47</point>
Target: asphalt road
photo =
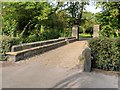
<point>58,68</point>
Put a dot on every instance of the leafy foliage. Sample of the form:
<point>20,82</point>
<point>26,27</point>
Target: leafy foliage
<point>7,43</point>
<point>109,16</point>
<point>87,23</point>
<point>107,31</point>
<point>75,9</point>
<point>106,53</point>
<point>34,19</point>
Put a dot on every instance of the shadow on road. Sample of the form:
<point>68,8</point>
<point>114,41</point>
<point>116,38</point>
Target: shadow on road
<point>69,81</point>
<point>88,80</point>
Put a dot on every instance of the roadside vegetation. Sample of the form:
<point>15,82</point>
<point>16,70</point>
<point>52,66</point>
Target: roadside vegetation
<point>25,22</point>
<point>106,48</point>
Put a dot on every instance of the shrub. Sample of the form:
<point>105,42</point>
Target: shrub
<point>7,41</point>
<point>51,34</point>
<point>107,31</point>
<point>30,38</point>
<point>80,29</point>
<point>6,44</point>
<point>89,30</point>
<point>67,33</point>
<point>45,35</point>
<point>106,53</point>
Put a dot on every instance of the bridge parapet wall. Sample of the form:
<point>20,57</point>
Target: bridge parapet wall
<point>34,44</point>
<point>27,50</point>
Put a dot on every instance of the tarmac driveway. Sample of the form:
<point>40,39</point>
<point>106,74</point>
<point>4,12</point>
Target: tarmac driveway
<point>58,68</point>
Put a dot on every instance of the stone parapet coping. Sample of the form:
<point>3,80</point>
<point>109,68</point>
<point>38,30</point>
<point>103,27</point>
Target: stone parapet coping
<point>23,51</point>
<point>34,44</point>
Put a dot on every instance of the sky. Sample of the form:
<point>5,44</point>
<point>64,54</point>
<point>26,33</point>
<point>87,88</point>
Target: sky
<point>92,8</point>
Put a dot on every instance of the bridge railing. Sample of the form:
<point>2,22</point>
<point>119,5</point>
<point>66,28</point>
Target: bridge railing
<point>26,50</point>
<point>33,44</point>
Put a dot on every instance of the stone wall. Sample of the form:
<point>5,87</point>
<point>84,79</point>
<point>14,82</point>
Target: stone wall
<point>23,51</point>
<point>34,44</point>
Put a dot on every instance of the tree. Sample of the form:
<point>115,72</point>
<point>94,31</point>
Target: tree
<point>87,23</point>
<point>110,15</point>
<point>34,19</point>
<point>8,18</point>
<point>27,16</point>
<point>75,9</point>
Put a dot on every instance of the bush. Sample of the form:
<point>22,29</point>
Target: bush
<point>51,34</point>
<point>89,30</point>
<point>106,53</point>
<point>30,38</point>
<point>81,29</point>
<point>6,44</point>
<point>45,35</point>
<point>67,33</point>
<point>7,41</point>
<point>107,31</point>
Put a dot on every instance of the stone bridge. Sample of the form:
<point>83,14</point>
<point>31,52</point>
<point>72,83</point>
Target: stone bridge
<point>57,68</point>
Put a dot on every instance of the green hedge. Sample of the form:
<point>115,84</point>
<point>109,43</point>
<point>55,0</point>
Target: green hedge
<point>106,53</point>
<point>6,44</point>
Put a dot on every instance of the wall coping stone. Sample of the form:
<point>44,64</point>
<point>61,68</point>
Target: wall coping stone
<point>33,44</point>
<point>33,50</point>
